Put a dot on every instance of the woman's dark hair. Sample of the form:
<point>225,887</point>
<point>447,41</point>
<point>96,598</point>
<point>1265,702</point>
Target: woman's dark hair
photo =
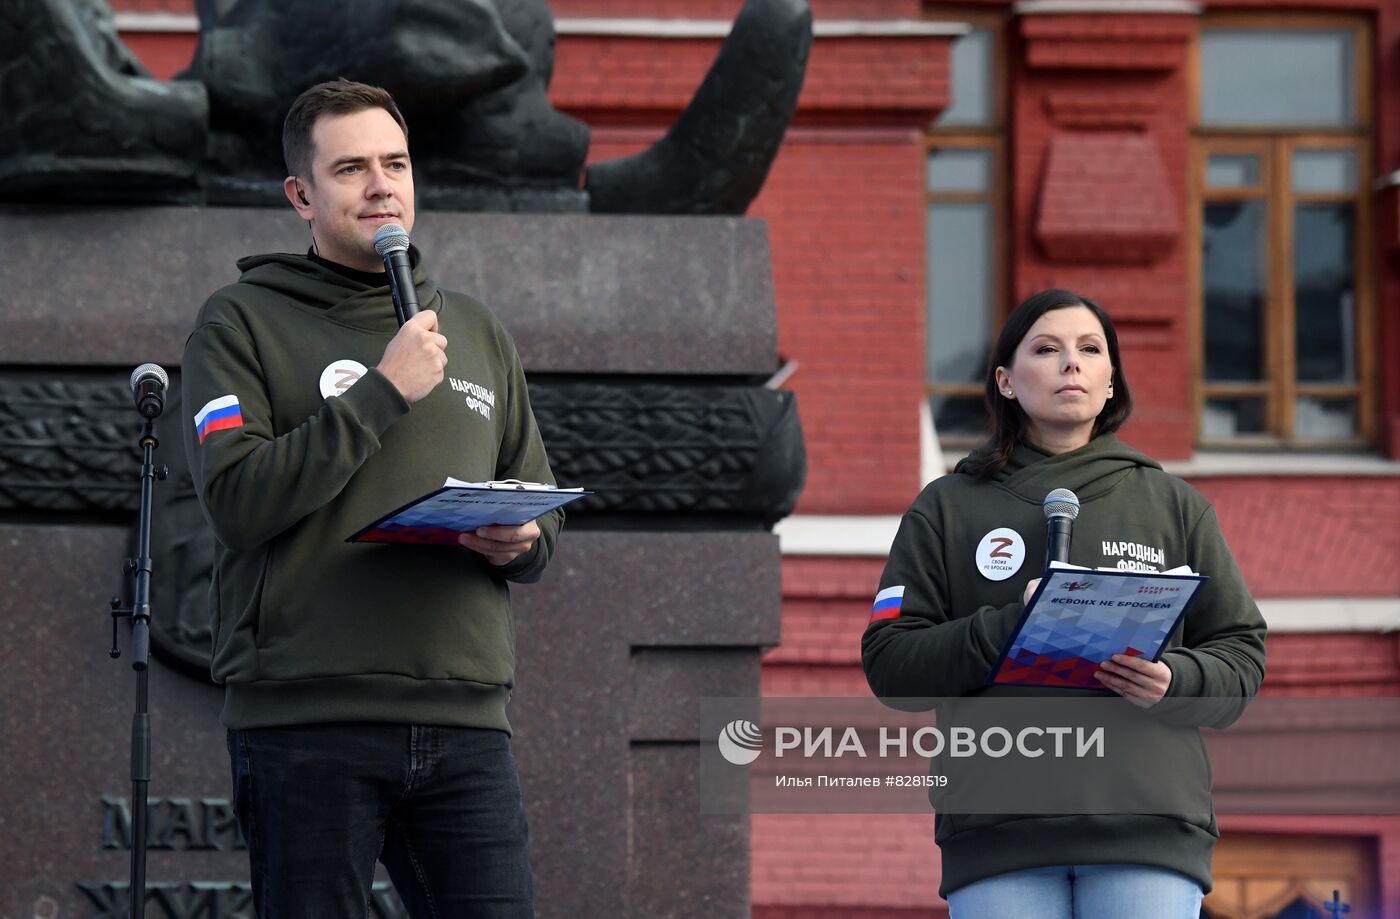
<point>1008,421</point>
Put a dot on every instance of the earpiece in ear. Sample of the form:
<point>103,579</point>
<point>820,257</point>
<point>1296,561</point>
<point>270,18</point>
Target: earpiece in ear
<point>302,195</point>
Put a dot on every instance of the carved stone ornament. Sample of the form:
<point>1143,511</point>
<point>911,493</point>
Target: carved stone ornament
<point>691,455</point>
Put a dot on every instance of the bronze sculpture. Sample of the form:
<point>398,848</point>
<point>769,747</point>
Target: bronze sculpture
<point>84,120</point>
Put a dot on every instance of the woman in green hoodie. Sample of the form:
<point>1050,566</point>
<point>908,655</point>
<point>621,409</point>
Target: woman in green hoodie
<point>962,567</point>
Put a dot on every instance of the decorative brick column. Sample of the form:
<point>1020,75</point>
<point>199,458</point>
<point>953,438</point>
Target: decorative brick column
<point>1100,133</point>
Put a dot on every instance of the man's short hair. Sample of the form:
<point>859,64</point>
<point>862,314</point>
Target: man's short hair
<point>336,97</point>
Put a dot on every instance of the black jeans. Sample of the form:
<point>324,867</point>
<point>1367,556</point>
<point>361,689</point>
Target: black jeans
<point>440,806</point>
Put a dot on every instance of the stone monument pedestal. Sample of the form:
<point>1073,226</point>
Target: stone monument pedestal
<point>643,612</point>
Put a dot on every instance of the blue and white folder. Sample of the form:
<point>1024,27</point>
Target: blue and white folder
<point>440,516</point>
<point>1080,617</point>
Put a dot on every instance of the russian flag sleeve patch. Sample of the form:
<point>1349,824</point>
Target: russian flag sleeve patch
<point>887,604</point>
<point>218,415</point>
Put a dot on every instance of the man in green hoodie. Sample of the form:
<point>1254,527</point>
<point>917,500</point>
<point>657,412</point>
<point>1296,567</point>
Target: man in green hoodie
<point>365,684</point>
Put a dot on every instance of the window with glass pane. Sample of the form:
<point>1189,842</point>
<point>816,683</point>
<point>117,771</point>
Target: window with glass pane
<point>973,62</point>
<point>1324,171</point>
<point>959,284</point>
<point>1232,170</point>
<point>958,169</point>
<point>1286,308</point>
<point>1325,316</point>
<point>1324,293</point>
<point>1324,419</point>
<point>1235,289</point>
<point>962,233</point>
<point>1291,77</point>
<point>959,416</point>
<point>1227,418</point>
<point>960,236</point>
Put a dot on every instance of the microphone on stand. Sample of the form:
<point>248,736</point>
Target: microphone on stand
<point>391,242</point>
<point>1061,508</point>
<point>148,384</point>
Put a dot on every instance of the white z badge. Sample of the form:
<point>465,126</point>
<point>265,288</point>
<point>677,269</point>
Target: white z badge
<point>340,376</point>
<point>1000,554</point>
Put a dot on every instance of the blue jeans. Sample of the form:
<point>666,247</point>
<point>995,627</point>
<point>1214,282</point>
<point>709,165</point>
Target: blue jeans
<point>440,806</point>
<point>1080,892</point>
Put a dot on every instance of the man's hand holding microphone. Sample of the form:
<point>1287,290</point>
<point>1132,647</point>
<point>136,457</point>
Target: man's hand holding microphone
<point>415,362</point>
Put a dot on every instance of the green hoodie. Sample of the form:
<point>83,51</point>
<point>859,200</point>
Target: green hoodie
<point>289,462</point>
<point>964,553</point>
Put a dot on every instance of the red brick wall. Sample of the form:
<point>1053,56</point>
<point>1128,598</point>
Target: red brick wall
<point>845,210</point>
<point>1331,664</point>
<point>1147,299</point>
<point>847,249</point>
<point>164,53</point>
<point>826,604</point>
<point>844,205</point>
<point>613,78</point>
<point>845,866</point>
<point>1311,537</point>
<point>820,865</point>
<point>846,224</point>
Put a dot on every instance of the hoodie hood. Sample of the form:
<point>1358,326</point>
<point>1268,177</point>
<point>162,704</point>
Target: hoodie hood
<point>308,283</point>
<point>1091,471</point>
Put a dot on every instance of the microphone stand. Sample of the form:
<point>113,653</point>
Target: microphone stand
<point>140,614</point>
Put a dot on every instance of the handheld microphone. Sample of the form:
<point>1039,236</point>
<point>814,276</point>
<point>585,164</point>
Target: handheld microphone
<point>148,384</point>
<point>391,242</point>
<point>1061,507</point>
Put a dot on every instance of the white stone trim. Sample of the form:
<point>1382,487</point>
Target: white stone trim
<point>886,28</point>
<point>932,463</point>
<point>782,375</point>
<point>156,22</point>
<point>837,534</point>
<point>720,28</point>
<point>1206,464</point>
<point>1332,614</point>
<point>632,28</point>
<point>643,28</point>
<point>1033,7</point>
